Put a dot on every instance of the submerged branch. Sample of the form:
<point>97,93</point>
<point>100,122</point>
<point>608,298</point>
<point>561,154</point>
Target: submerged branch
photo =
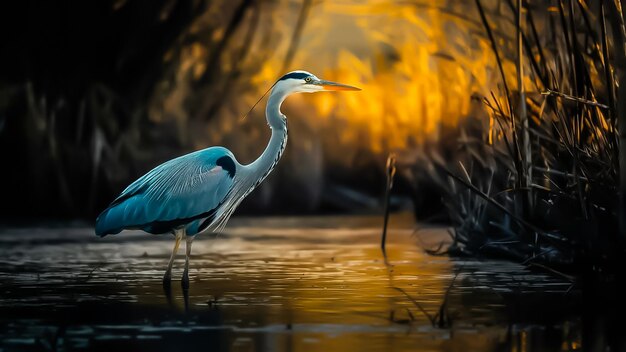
<point>417,304</point>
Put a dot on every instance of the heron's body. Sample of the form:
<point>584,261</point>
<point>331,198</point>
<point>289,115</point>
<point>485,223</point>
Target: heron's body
<point>199,191</point>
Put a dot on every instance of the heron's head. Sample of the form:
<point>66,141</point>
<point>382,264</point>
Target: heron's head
<point>306,82</point>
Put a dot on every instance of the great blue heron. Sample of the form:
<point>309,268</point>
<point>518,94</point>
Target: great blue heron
<point>199,191</point>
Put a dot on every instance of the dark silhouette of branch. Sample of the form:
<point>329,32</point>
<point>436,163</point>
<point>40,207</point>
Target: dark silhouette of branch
<point>214,60</point>
<point>297,33</point>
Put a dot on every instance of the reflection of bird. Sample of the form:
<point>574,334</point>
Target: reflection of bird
<point>199,191</point>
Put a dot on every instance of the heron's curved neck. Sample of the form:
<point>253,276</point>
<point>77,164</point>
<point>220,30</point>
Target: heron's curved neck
<point>275,118</point>
<point>274,150</point>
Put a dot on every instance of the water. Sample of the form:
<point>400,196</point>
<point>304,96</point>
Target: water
<point>274,284</point>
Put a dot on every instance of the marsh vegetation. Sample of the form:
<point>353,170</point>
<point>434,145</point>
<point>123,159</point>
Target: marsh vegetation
<point>504,118</point>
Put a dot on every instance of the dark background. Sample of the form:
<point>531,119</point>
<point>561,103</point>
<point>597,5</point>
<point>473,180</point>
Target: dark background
<point>94,94</point>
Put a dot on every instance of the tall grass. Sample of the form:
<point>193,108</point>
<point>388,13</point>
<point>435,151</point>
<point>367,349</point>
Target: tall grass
<point>83,91</point>
<point>543,185</point>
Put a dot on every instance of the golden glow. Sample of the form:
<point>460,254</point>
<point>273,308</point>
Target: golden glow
<point>418,66</point>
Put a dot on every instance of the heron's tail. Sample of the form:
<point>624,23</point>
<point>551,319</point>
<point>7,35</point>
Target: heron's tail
<point>110,221</point>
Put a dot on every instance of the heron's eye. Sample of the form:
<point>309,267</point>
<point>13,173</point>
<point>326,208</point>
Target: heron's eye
<point>308,79</point>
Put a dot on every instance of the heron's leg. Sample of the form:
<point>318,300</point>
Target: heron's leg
<point>185,280</point>
<point>168,273</point>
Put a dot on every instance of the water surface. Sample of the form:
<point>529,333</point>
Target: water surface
<point>274,284</point>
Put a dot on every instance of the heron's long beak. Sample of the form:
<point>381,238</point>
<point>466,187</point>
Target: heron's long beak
<point>328,85</point>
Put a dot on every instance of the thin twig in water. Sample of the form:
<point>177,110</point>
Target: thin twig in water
<point>90,275</point>
<point>537,256</point>
<point>553,271</point>
<point>442,317</point>
<point>391,172</point>
<point>417,304</point>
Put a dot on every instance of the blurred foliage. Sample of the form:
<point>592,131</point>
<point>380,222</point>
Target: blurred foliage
<point>94,94</point>
<point>76,86</point>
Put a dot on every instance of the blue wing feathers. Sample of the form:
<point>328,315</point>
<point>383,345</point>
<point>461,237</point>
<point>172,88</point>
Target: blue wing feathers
<point>172,194</point>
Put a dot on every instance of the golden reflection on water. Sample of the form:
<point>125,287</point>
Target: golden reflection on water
<point>283,284</point>
<point>313,276</point>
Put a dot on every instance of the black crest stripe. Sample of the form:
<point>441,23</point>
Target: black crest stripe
<point>296,75</point>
